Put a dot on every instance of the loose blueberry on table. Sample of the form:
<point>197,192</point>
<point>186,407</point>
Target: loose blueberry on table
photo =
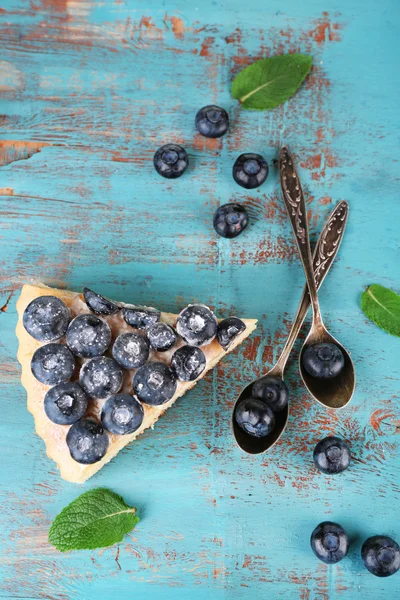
<point>122,414</point>
<point>228,330</point>
<point>255,417</point>
<point>88,336</point>
<point>52,364</point>
<point>65,403</point>
<point>212,121</point>
<point>100,377</point>
<point>323,361</point>
<point>381,555</point>
<point>87,441</point>
<point>331,455</point>
<point>99,304</point>
<point>161,337</point>
<point>188,363</point>
<point>171,161</point>
<point>197,325</point>
<point>230,220</point>
<point>329,542</point>
<point>130,350</point>
<point>46,318</point>
<point>154,383</point>
<point>273,390</point>
<point>141,317</point>
<point>250,170</point>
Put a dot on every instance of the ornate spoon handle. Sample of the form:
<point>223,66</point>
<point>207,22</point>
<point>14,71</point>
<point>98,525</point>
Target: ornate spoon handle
<point>296,209</point>
<point>324,254</point>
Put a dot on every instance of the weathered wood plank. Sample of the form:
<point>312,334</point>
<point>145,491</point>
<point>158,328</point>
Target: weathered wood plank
<point>89,90</point>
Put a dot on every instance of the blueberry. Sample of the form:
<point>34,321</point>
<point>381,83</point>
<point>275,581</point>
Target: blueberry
<point>230,220</point>
<point>212,121</point>
<point>98,304</point>
<point>188,363</point>
<point>197,325</point>
<point>250,170</point>
<point>329,542</point>
<point>381,555</point>
<point>65,403</point>
<point>87,441</point>
<point>255,417</point>
<point>141,317</point>
<point>46,318</point>
<point>171,161</point>
<point>88,336</point>
<point>331,455</point>
<point>100,377</point>
<point>228,330</point>
<point>323,361</point>
<point>161,337</point>
<point>273,390</point>
<point>122,414</point>
<point>154,383</point>
<point>130,350</point>
<point>52,364</point>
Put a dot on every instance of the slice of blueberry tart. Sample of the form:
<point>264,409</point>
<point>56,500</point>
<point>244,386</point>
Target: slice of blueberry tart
<point>99,372</point>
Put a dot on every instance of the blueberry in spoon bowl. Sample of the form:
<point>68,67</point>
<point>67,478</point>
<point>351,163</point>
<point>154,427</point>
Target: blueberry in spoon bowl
<point>250,170</point>
<point>331,455</point>
<point>323,361</point>
<point>329,542</point>
<point>212,121</point>
<point>255,417</point>
<point>273,390</point>
<point>230,220</point>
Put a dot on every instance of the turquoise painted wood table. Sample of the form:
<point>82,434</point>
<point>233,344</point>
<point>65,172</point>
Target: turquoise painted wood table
<point>89,90</point>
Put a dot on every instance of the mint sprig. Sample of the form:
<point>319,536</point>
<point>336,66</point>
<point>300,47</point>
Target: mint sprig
<point>382,306</point>
<point>96,519</point>
<point>270,81</point>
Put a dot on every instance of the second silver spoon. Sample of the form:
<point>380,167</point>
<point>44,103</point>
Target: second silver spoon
<point>336,392</point>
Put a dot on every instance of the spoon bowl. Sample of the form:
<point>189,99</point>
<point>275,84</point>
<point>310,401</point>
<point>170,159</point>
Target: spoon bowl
<point>253,445</point>
<point>324,254</point>
<point>335,392</point>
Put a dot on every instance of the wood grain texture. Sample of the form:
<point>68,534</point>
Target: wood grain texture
<point>89,90</point>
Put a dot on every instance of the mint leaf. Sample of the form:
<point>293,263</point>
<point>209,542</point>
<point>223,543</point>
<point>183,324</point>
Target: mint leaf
<point>96,519</point>
<point>270,81</point>
<point>382,306</point>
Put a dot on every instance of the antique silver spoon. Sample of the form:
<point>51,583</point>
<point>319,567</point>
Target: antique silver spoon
<point>336,392</point>
<point>324,255</point>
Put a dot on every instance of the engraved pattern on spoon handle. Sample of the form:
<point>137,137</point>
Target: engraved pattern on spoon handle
<point>296,209</point>
<point>324,254</point>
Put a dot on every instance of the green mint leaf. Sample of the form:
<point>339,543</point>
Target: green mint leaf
<point>382,306</point>
<point>96,519</point>
<point>270,81</point>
